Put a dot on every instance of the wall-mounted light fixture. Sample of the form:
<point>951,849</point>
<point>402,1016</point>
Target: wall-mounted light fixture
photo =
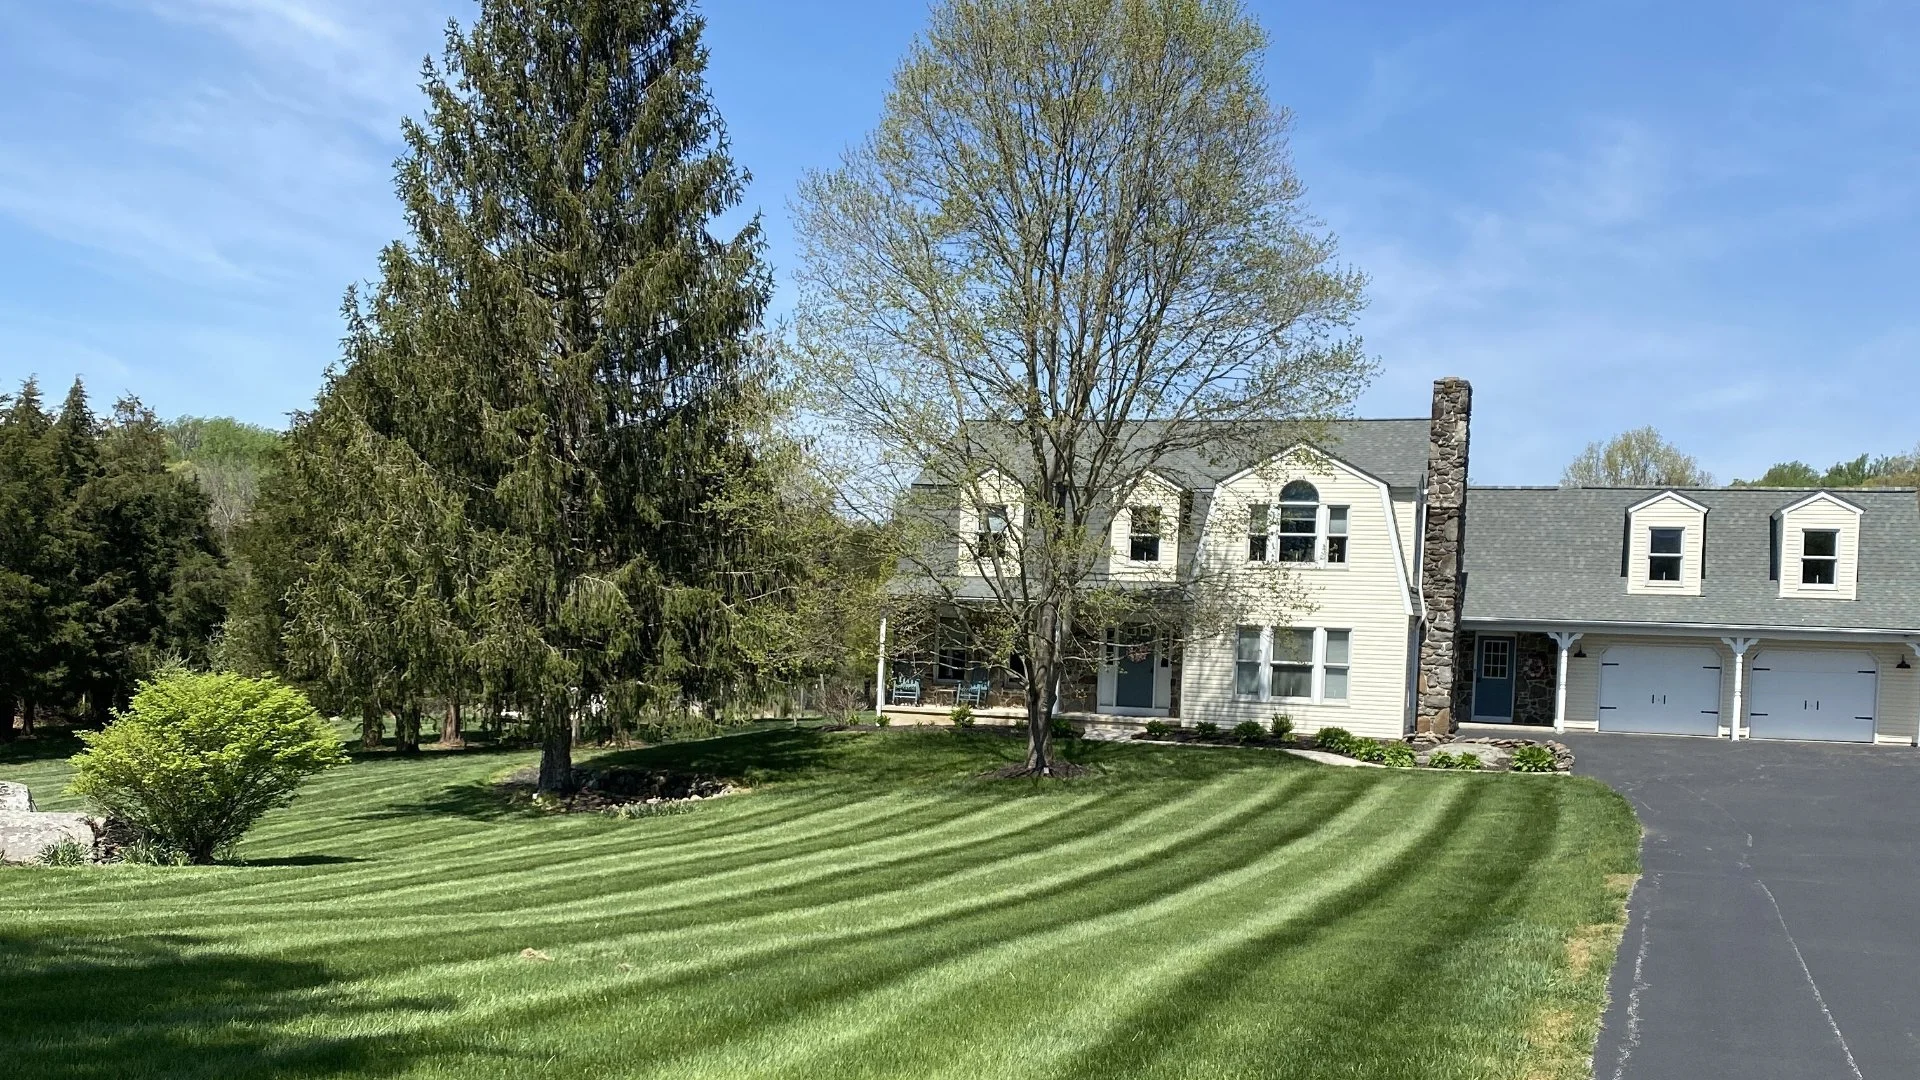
<point>1580,653</point>
<point>1903,665</point>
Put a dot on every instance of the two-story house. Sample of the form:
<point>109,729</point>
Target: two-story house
<point>1418,602</point>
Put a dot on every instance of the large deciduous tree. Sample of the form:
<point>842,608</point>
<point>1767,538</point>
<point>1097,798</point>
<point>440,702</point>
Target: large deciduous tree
<point>540,447</point>
<point>1637,458</point>
<point>1073,250</point>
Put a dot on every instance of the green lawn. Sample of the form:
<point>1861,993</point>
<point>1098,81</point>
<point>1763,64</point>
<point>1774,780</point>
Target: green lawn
<point>868,911</point>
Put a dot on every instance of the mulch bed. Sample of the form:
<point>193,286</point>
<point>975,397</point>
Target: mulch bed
<point>601,790</point>
<point>1060,770</point>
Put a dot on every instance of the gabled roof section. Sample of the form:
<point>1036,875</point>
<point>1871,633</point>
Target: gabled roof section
<point>1552,555</point>
<point>1670,493</point>
<point>1820,496</point>
<point>1303,448</point>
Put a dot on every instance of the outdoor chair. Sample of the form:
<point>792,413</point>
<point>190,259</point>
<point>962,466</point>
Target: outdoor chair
<point>905,692</point>
<point>974,694</point>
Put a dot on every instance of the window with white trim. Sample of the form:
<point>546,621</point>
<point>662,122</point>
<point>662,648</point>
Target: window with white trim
<point>1246,662</point>
<point>1292,663</point>
<point>1663,553</point>
<point>1299,522</point>
<point>1258,518</point>
<point>1143,533</point>
<point>1819,556</point>
<point>1336,534</point>
<point>991,540</point>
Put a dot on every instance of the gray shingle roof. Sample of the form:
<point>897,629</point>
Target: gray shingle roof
<point>1393,450</point>
<point>1553,555</point>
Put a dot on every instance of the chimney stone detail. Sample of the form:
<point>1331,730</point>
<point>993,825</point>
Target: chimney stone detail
<point>1440,565</point>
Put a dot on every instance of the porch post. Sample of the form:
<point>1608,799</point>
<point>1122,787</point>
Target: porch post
<point>1566,641</point>
<point>880,673</point>
<point>1739,645</point>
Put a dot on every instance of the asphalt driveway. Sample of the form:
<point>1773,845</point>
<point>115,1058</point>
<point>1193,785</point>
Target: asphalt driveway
<point>1776,932</point>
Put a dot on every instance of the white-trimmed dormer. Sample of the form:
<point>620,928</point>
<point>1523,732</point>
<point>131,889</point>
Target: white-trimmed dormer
<point>1816,548</point>
<point>1666,546</point>
<point>991,512</point>
<point>1145,537</point>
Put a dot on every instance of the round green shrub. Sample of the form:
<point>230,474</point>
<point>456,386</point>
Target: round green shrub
<point>1397,755</point>
<point>1248,730</point>
<point>1367,750</point>
<point>1532,759</point>
<point>1282,726</point>
<point>1207,729</point>
<point>1062,728</point>
<point>197,759</point>
<point>1335,740</point>
<point>1441,759</point>
<point>1160,729</point>
<point>961,716</point>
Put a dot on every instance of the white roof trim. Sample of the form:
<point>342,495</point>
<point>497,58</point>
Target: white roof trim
<point>1821,496</point>
<point>1667,494</point>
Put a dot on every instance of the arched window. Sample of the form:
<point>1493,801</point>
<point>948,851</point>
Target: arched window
<point>1299,521</point>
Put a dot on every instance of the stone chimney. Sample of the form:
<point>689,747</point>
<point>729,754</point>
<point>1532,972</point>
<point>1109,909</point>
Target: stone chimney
<point>1440,564</point>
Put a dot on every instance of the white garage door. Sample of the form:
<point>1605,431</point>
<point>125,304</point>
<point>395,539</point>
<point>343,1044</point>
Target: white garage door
<point>1812,694</point>
<point>1664,689</point>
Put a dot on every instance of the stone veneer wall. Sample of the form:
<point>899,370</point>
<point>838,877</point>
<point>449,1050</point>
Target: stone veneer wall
<point>1440,563</point>
<point>1536,667</point>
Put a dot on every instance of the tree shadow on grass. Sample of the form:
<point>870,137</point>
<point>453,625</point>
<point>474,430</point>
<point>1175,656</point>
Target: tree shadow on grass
<point>92,1009</point>
<point>44,745</point>
<point>303,860</point>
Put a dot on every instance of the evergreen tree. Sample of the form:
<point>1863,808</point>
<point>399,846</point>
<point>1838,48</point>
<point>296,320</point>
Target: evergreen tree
<point>30,671</point>
<point>547,395</point>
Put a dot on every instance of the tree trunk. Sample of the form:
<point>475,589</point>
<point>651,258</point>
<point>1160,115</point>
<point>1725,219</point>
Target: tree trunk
<point>27,717</point>
<point>406,732</point>
<point>556,755</point>
<point>1043,687</point>
<point>6,719</point>
<point>450,735</point>
<point>372,728</point>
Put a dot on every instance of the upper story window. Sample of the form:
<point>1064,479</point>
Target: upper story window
<point>1259,517</point>
<point>1336,534</point>
<point>991,540</point>
<point>1819,556</point>
<point>1299,521</point>
<point>1143,533</point>
<point>1664,546</point>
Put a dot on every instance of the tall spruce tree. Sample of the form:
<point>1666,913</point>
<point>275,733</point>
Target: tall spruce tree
<point>30,669</point>
<point>548,392</point>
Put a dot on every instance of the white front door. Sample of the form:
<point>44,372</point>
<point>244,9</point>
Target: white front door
<point>1812,694</point>
<point>1661,689</point>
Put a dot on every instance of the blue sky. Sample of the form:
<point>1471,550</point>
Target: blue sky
<point>1702,216</point>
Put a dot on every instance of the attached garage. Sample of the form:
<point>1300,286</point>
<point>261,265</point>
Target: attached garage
<point>1660,689</point>
<point>1817,694</point>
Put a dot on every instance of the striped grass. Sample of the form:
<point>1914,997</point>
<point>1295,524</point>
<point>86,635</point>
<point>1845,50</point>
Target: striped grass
<point>870,909</point>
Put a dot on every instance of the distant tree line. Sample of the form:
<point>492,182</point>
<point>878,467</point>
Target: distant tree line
<point>1642,458</point>
<point>108,563</point>
<point>1895,470</point>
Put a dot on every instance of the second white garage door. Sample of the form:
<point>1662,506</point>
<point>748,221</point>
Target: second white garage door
<point>1812,694</point>
<point>1662,689</point>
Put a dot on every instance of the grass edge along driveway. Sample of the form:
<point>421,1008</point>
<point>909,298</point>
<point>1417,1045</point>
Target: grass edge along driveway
<point>870,909</point>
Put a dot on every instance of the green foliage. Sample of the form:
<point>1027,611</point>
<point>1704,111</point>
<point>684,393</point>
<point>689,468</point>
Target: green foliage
<point>1249,731</point>
<point>1637,458</point>
<point>64,853</point>
<point>198,759</point>
<point>1367,750</point>
<point>961,716</point>
<point>1444,759</point>
<point>1396,755</point>
<point>1206,729</point>
<point>1062,728</point>
<point>146,852</point>
<point>1532,759</point>
<point>883,720</point>
<point>1160,729</point>
<point>227,459</point>
<point>1335,740</point>
<point>1898,470</point>
<point>1281,727</point>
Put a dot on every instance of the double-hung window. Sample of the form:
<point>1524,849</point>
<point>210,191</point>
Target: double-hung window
<point>1258,518</point>
<point>1819,556</point>
<point>1663,553</point>
<point>1336,534</point>
<point>991,540</point>
<point>1299,522</point>
<point>1292,663</point>
<point>1246,662</point>
<point>1143,536</point>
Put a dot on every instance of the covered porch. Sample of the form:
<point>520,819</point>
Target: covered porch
<point>1123,673</point>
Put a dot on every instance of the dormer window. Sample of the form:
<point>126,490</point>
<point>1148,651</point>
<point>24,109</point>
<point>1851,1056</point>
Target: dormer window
<point>1299,521</point>
<point>1664,547</point>
<point>1819,557</point>
<point>1143,533</point>
<point>991,540</point>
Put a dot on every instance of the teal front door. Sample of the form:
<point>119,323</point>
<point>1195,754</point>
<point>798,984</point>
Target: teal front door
<point>1134,668</point>
<point>1493,679</point>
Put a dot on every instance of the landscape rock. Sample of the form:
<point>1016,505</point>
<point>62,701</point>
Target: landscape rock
<point>15,796</point>
<point>25,834</point>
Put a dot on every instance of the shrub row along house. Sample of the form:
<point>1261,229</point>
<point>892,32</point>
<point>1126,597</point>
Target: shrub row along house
<point>1419,602</point>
